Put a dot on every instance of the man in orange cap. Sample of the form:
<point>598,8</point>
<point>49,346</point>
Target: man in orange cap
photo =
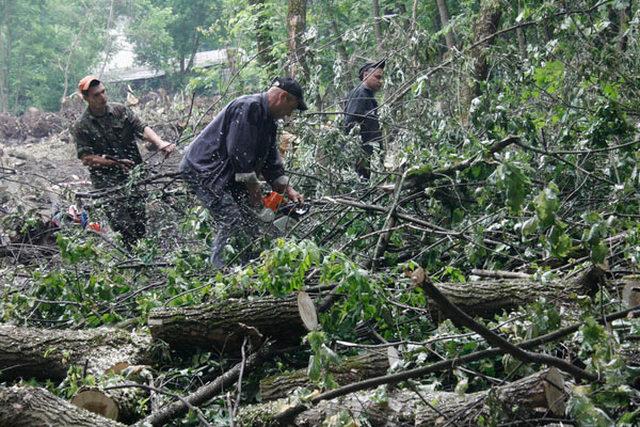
<point>105,137</point>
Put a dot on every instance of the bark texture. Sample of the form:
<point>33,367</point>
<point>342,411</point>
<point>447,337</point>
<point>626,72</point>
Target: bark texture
<point>351,370</point>
<point>486,24</point>
<point>48,354</point>
<point>443,11</point>
<point>522,398</point>
<point>487,297</point>
<point>31,406</point>
<point>264,41</point>
<point>377,25</point>
<point>296,26</point>
<point>221,326</point>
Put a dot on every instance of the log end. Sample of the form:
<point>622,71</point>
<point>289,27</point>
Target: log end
<point>97,402</point>
<point>631,291</point>
<point>308,312</point>
<point>554,390</point>
<point>393,357</point>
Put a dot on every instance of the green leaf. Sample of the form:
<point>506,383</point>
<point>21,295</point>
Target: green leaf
<point>550,76</point>
<point>546,204</point>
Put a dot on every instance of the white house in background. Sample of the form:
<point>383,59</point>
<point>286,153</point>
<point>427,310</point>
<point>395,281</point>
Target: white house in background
<point>121,65</point>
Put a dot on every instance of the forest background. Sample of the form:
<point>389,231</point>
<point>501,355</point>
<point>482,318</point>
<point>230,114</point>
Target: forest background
<point>508,173</point>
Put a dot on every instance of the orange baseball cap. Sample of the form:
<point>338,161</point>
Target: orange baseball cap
<point>85,82</point>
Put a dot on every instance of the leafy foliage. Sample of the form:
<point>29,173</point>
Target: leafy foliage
<point>560,198</point>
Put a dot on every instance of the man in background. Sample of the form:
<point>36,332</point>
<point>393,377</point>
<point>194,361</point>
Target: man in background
<point>105,137</point>
<point>362,108</point>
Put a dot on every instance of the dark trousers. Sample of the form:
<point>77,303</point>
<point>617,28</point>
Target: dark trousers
<point>127,215</point>
<point>363,164</point>
<point>232,214</point>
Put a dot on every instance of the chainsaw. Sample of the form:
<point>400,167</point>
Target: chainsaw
<point>283,216</point>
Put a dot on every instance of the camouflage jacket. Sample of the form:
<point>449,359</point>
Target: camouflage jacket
<point>113,134</point>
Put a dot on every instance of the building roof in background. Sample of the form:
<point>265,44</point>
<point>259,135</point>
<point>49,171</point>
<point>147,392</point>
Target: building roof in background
<point>132,71</point>
<point>122,67</point>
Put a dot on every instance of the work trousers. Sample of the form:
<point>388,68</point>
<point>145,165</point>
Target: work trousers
<point>234,219</point>
<point>128,217</point>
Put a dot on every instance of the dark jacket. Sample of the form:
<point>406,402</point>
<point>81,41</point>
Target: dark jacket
<point>361,107</point>
<point>113,134</point>
<point>238,145</point>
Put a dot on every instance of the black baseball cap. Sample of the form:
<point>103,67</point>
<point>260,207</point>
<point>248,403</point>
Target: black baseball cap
<point>369,66</point>
<point>293,87</point>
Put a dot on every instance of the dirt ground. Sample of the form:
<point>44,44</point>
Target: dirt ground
<point>41,174</point>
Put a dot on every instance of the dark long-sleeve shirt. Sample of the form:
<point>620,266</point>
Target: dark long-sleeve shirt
<point>238,145</point>
<point>362,108</point>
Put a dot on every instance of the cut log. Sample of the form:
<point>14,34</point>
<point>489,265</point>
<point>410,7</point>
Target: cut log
<point>529,397</point>
<point>120,404</point>
<point>352,369</point>
<point>31,406</point>
<point>221,326</point>
<point>631,291</point>
<point>48,353</point>
<point>307,311</point>
<point>488,297</point>
<point>523,398</point>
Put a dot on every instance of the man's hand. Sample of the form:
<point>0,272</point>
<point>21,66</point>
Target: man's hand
<point>167,149</point>
<point>294,196</point>
<point>125,164</point>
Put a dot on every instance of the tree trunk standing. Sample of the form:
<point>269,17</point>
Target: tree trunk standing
<point>264,42</point>
<point>623,19</point>
<point>521,37</point>
<point>485,25</point>
<point>443,12</point>
<point>377,25</point>
<point>5,53</point>
<point>342,50</point>
<point>181,61</point>
<point>296,25</point>
<point>109,41</point>
<point>222,326</point>
<point>194,49</point>
<point>414,16</point>
<point>31,406</point>
<point>48,354</point>
<point>522,42</point>
<point>67,63</point>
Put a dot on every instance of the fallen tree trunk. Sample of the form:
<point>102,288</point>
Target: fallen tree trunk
<point>487,297</point>
<point>529,397</point>
<point>31,406</point>
<point>294,410</point>
<point>119,404</point>
<point>47,354</point>
<point>456,314</point>
<point>352,369</point>
<point>222,326</point>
